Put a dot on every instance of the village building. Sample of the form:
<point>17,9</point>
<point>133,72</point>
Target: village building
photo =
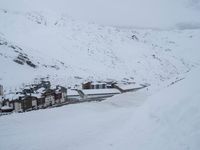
<point>97,85</point>
<point>36,97</point>
<point>60,94</point>
<point>41,85</point>
<point>30,99</point>
<point>87,85</point>
<point>73,95</point>
<point>54,96</point>
<point>99,93</point>
<point>39,93</point>
<point>1,101</point>
<point>5,105</point>
<point>9,99</point>
<point>25,103</point>
<point>17,106</point>
<point>49,97</point>
<point>1,97</point>
<point>41,102</point>
<point>20,102</point>
<point>1,90</point>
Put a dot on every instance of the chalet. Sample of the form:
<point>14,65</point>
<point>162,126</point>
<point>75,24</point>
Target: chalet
<point>17,106</point>
<point>60,94</point>
<point>20,102</point>
<point>8,99</point>
<point>41,102</point>
<point>25,103</point>
<point>96,85</point>
<point>5,105</point>
<point>87,85</point>
<point>54,96</point>
<point>1,102</point>
<point>49,97</point>
<point>99,93</point>
<point>39,93</point>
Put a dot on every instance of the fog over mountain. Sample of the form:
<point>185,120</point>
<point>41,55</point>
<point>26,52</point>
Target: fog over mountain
<point>161,14</point>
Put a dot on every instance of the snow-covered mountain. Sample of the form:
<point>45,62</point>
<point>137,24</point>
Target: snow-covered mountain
<point>155,42</point>
<point>43,44</point>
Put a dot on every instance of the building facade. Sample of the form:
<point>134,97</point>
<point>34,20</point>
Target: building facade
<point>1,90</point>
<point>94,85</point>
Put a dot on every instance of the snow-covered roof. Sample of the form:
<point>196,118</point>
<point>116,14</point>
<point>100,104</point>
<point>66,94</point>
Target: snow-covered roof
<point>6,108</point>
<point>13,96</point>
<point>37,95</point>
<point>129,86</point>
<point>94,82</point>
<point>26,88</point>
<point>40,90</point>
<point>58,89</point>
<point>72,92</point>
<point>100,91</point>
<point>98,83</point>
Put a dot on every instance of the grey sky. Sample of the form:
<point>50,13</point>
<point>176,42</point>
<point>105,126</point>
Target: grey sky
<point>134,13</point>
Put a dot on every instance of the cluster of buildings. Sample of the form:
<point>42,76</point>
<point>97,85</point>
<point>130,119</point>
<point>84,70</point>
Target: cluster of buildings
<point>42,95</point>
<point>32,98</point>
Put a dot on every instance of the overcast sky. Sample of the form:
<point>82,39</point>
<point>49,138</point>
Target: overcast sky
<point>128,13</point>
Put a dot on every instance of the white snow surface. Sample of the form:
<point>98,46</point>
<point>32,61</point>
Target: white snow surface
<point>72,92</point>
<point>129,86</point>
<point>100,91</point>
<point>166,120</point>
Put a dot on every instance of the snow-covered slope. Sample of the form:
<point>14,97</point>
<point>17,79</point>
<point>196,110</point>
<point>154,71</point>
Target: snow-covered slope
<point>166,120</point>
<point>56,46</point>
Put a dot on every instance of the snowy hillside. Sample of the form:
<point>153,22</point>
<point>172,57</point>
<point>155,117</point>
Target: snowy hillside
<point>166,120</point>
<point>35,45</point>
<point>67,42</point>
